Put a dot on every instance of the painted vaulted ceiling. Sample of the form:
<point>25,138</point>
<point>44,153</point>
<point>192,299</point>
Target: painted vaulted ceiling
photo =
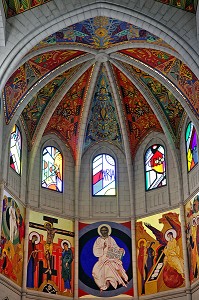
<point>15,7</point>
<point>123,81</point>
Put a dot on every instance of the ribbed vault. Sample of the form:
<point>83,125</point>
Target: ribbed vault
<point>69,81</point>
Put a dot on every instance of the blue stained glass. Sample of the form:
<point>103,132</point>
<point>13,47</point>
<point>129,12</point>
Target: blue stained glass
<point>191,146</point>
<point>15,149</point>
<point>103,178</point>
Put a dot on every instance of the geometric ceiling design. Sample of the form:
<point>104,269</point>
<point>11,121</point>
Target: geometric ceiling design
<point>140,119</point>
<point>174,69</point>
<point>171,107</point>
<point>15,7</point>
<point>27,75</point>
<point>188,5</point>
<point>101,94</point>
<point>103,121</point>
<point>36,107</point>
<point>66,117</point>
<point>101,33</point>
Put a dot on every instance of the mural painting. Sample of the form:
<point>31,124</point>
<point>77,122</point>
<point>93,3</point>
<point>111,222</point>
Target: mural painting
<point>159,253</point>
<point>105,264</point>
<point>12,239</point>
<point>50,254</point>
<point>100,32</point>
<point>192,230</point>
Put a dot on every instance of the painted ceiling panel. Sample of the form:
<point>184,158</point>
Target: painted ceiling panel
<point>29,73</point>
<point>101,33</point>
<point>36,108</point>
<point>188,5</point>
<point>174,69</point>
<point>140,119</point>
<point>65,119</point>
<point>103,123</point>
<point>15,7</point>
<point>171,107</point>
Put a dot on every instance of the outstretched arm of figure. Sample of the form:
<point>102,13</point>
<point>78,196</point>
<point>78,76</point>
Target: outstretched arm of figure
<point>159,235</point>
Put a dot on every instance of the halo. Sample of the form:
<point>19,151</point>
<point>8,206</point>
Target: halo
<point>104,225</point>
<point>67,242</point>
<point>170,230</point>
<point>47,223</point>
<point>141,240</point>
<point>37,235</point>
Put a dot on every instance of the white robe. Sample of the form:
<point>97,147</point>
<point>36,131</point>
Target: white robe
<point>13,223</point>
<point>107,270</point>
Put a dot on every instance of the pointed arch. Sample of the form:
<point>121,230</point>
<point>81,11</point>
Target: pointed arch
<point>15,149</point>
<point>52,169</point>
<point>103,175</point>
<point>191,146</point>
<point>155,167</point>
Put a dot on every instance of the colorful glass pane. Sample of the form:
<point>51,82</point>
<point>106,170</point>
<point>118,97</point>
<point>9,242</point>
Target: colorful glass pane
<point>103,176</point>
<point>15,149</point>
<point>191,146</point>
<point>155,167</point>
<point>52,169</point>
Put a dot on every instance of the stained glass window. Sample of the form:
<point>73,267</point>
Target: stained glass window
<point>15,149</point>
<point>155,167</point>
<point>52,169</point>
<point>103,177</point>
<point>191,146</point>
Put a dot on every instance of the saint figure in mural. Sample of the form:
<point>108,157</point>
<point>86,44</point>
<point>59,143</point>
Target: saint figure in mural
<point>20,225</point>
<point>108,270</point>
<point>173,262</point>
<point>142,258</point>
<point>49,244</point>
<point>34,239</point>
<point>150,256</point>
<point>13,222</point>
<point>67,258</point>
<point>172,253</point>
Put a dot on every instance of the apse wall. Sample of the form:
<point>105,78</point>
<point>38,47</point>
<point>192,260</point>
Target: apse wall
<point>115,212</point>
<point>157,199</point>
<point>15,182</point>
<point>44,199</point>
<point>190,180</point>
<point>111,206</point>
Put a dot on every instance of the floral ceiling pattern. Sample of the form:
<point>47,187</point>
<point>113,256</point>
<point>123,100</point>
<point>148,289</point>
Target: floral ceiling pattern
<point>103,122</point>
<point>174,70</point>
<point>60,109</point>
<point>27,75</point>
<point>15,7</point>
<point>101,33</point>
<point>188,5</point>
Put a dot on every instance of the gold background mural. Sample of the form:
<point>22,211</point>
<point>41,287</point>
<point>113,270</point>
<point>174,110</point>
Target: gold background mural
<point>50,254</point>
<point>192,230</point>
<point>159,253</point>
<point>12,239</point>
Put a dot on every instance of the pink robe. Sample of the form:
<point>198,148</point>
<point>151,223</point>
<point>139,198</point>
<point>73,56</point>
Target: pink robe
<point>107,270</point>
